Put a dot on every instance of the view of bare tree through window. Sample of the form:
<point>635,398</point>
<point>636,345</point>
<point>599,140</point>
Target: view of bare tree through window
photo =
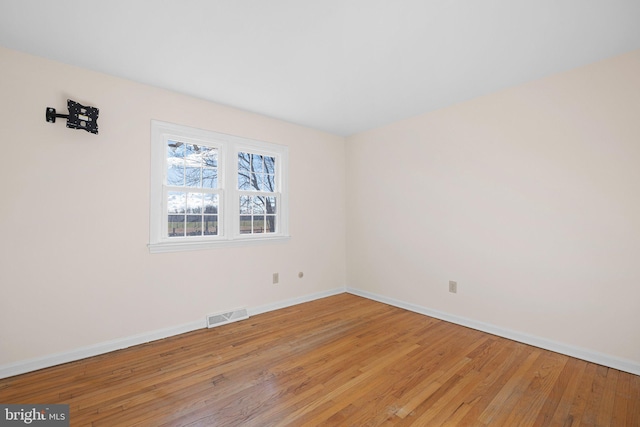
<point>192,175</point>
<point>210,189</point>
<point>256,179</point>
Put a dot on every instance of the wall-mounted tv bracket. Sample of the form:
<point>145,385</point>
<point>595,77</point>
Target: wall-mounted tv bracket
<point>79,117</point>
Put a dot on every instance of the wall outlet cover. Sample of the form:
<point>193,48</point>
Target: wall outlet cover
<point>453,287</point>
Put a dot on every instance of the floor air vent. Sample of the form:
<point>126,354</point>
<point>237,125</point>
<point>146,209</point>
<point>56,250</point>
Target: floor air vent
<point>228,317</point>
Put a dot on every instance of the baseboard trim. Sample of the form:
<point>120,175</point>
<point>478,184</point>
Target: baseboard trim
<point>30,365</point>
<point>577,352</point>
<point>17,368</point>
<point>22,367</point>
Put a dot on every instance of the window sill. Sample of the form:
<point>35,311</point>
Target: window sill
<point>181,246</point>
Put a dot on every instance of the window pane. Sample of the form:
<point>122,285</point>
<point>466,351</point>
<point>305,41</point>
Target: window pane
<point>175,149</point>
<point>175,173</point>
<point>209,157</point>
<point>244,162</point>
<point>245,224</point>
<point>270,183</point>
<point>194,225</point>
<point>257,183</point>
<point>175,226</point>
<point>271,224</point>
<point>175,163</point>
<point>176,202</point>
<point>270,205</point>
<point>194,203</point>
<point>209,178</point>
<point>192,177</point>
<point>256,163</point>
<point>258,205</point>
<point>258,224</point>
<point>193,155</point>
<point>246,205</point>
<point>210,203</point>
<point>244,181</point>
<point>265,183</point>
<point>270,164</point>
<point>210,225</point>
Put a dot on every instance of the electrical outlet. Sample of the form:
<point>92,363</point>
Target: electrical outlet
<point>453,287</point>
<point>276,278</point>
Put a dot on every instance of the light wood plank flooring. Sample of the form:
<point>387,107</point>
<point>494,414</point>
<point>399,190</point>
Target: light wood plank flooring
<point>337,361</point>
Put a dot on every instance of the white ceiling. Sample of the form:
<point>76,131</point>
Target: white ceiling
<point>342,66</point>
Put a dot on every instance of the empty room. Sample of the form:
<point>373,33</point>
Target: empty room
<point>300,213</point>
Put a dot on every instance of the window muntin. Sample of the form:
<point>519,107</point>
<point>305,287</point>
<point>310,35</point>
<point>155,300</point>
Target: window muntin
<point>256,172</point>
<point>192,165</point>
<point>192,214</point>
<point>191,189</point>
<point>196,209</point>
<point>258,193</point>
<point>257,214</point>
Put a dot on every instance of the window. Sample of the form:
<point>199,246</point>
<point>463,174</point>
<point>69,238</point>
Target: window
<point>257,190</point>
<point>191,189</point>
<point>210,189</point>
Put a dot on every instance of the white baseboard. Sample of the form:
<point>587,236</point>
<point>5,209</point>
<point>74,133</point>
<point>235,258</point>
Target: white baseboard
<point>17,368</point>
<point>577,352</point>
<point>30,365</point>
<point>22,367</point>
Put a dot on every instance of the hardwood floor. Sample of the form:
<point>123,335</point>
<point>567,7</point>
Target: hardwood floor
<point>338,361</point>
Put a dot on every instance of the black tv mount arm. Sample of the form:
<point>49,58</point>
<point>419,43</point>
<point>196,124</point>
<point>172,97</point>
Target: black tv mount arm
<point>79,117</point>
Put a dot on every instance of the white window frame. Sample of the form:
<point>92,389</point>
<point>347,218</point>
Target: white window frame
<point>228,147</point>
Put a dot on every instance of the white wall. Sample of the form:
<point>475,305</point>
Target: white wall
<point>528,198</point>
<point>75,269</point>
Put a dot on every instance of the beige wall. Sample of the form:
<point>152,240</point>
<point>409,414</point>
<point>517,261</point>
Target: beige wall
<point>528,198</point>
<point>75,269</point>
